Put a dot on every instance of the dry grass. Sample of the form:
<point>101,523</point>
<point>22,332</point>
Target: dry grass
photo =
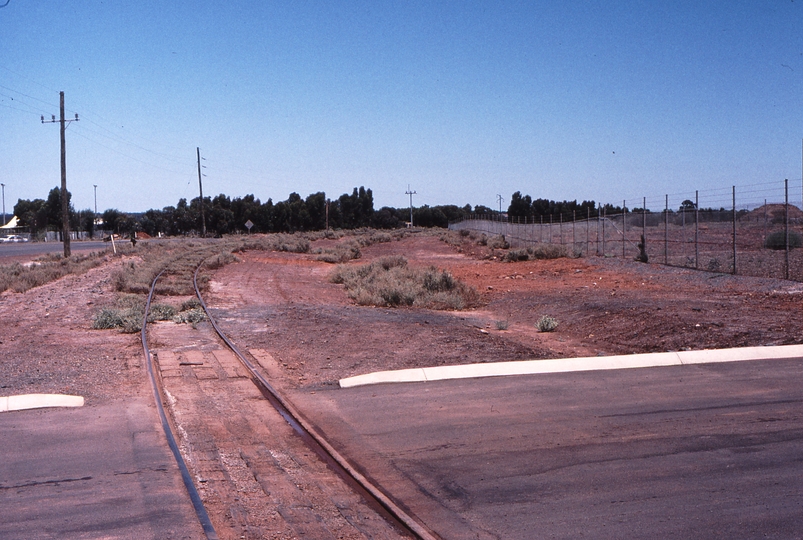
<point>20,278</point>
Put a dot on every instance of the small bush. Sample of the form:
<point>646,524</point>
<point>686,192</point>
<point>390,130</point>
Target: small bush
<point>126,316</point>
<point>546,324</point>
<point>191,316</point>
<point>541,251</point>
<point>107,319</point>
<point>498,242</point>
<point>221,260</point>
<point>161,312</point>
<point>516,255</point>
<point>341,253</point>
<point>501,325</point>
<point>777,240</point>
<point>192,303</point>
<point>548,251</point>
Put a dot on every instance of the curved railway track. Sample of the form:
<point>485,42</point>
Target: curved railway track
<point>372,494</point>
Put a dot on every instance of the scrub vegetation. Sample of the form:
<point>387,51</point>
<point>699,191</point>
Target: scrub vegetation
<point>390,282</point>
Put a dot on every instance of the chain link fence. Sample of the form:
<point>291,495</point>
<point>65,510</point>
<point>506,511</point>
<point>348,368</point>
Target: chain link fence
<point>747,230</point>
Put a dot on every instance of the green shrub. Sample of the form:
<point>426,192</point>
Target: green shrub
<point>192,303</point>
<point>161,312</point>
<point>547,324</point>
<point>107,318</point>
<point>126,316</point>
<point>191,316</point>
<point>777,240</point>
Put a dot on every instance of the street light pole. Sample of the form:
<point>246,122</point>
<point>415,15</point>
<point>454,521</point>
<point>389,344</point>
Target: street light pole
<point>96,199</point>
<point>4,203</point>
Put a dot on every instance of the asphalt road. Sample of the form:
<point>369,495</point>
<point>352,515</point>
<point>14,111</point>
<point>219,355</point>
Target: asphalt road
<point>36,249</point>
<point>91,472</point>
<point>705,451</point>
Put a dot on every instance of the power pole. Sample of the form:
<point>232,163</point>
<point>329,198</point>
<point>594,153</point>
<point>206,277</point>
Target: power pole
<point>65,204</point>
<point>499,199</point>
<point>201,187</point>
<point>410,193</point>
<point>4,203</point>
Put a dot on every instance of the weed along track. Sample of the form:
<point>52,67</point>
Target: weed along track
<point>259,469</point>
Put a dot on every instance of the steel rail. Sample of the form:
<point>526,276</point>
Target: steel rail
<point>197,503</point>
<point>319,444</point>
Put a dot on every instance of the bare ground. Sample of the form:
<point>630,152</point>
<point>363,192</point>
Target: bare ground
<point>285,305</point>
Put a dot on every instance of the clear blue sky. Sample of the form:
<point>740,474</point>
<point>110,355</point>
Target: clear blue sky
<point>461,100</point>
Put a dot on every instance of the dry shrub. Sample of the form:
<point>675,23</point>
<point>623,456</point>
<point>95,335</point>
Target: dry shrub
<point>20,278</point>
<point>389,281</point>
<point>341,253</point>
<point>541,251</point>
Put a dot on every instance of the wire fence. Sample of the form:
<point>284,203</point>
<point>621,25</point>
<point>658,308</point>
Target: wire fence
<point>746,230</point>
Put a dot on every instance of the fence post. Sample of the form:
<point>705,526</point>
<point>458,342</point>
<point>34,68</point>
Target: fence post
<point>551,221</point>
<point>696,229</point>
<point>644,222</point>
<point>786,226</point>
<point>599,215</point>
<point>624,228</point>
<point>683,233</point>
<point>666,232</point>
<point>734,230</point>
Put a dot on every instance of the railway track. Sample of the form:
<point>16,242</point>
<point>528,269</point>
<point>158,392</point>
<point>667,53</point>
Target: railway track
<point>256,460</point>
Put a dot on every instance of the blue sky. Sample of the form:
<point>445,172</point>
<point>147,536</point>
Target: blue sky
<point>461,100</point>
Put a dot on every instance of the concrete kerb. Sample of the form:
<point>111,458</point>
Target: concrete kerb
<point>532,367</point>
<point>39,401</point>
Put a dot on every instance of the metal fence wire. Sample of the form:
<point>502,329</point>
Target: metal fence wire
<point>746,230</point>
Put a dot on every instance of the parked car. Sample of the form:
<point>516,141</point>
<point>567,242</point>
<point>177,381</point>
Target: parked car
<point>12,238</point>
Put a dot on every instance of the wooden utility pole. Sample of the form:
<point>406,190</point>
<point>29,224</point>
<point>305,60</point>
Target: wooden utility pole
<point>201,187</point>
<point>65,203</point>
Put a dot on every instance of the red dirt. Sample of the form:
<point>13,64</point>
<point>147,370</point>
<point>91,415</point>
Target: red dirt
<point>284,303</point>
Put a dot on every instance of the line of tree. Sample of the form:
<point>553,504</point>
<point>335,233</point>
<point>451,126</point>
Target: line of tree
<point>225,215</point>
<point>524,208</point>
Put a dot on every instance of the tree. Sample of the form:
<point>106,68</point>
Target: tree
<point>86,220</point>
<point>112,218</point>
<point>53,208</point>
<point>32,214</point>
<point>520,206</point>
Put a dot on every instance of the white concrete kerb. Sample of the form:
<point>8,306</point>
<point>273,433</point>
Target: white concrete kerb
<point>39,401</point>
<point>532,367</point>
